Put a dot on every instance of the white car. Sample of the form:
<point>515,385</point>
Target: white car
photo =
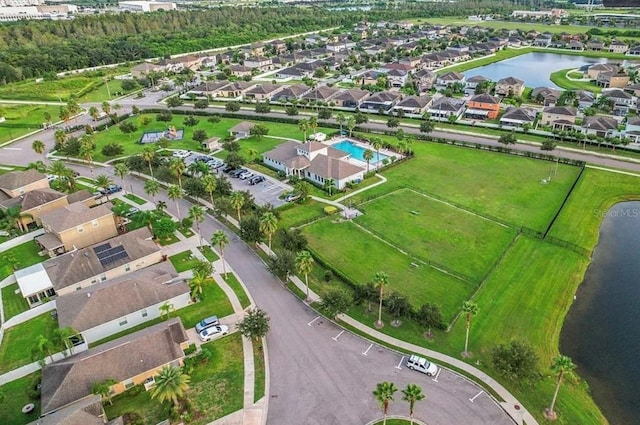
<point>422,365</point>
<point>245,175</point>
<point>181,154</point>
<point>213,332</point>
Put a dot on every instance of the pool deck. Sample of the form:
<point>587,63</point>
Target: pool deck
<point>362,144</point>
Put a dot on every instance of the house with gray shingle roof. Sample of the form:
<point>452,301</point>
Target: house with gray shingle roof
<point>518,117</point>
<point>509,86</point>
<point>16,183</point>
<point>445,107</point>
<point>290,93</point>
<point>414,104</point>
<point>263,91</point>
<point>599,125</point>
<point>87,411</point>
<point>321,94</point>
<point>351,98</point>
<point>131,360</point>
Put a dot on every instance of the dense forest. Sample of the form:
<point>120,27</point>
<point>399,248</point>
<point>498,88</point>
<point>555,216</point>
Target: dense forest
<point>37,48</point>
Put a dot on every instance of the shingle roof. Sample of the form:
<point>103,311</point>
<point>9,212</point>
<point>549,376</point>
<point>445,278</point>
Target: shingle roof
<point>263,89</point>
<point>510,81</point>
<point>328,167</point>
<point>354,95</point>
<point>561,110</point>
<point>294,91</point>
<point>447,104</point>
<point>415,101</point>
<point>82,264</point>
<point>312,146</point>
<point>70,379</point>
<point>485,98</point>
<point>17,179</point>
<point>79,196</point>
<point>321,93</point>
<point>242,127</point>
<point>452,76</point>
<point>520,114</point>
<point>477,79</point>
<point>383,97</point>
<point>32,199</point>
<point>87,411</point>
<point>600,123</point>
<point>73,215</point>
<point>101,303</point>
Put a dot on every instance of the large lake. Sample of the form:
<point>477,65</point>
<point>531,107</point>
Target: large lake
<point>602,330</point>
<point>533,68</point>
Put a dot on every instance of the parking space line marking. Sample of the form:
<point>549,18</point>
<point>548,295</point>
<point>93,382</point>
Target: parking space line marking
<point>401,360</point>
<point>335,338</point>
<point>311,322</point>
<point>437,374</point>
<point>367,350</point>
<point>475,396</point>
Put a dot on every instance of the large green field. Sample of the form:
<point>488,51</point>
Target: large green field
<point>437,232</point>
<point>22,119</point>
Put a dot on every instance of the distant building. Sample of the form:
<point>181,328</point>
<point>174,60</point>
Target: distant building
<point>20,3</point>
<point>146,6</point>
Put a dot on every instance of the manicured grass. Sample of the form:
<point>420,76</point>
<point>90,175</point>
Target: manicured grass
<point>133,198</point>
<point>213,302</point>
<point>187,233</point>
<point>208,253</point>
<point>15,397</point>
<point>596,192</point>
<point>169,241</point>
<point>259,371</point>
<point>293,214</point>
<point>434,231</point>
<point>559,78</point>
<point>23,119</point>
<point>498,185</point>
<point>19,342</point>
<point>13,303</point>
<point>394,422</point>
<point>150,411</point>
<point>233,282</point>
<point>25,255</point>
<point>183,261</point>
<point>360,255</point>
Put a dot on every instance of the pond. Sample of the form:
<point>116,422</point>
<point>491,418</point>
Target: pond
<point>601,332</point>
<point>533,68</point>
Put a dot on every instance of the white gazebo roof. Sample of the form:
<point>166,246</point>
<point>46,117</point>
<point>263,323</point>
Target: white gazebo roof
<point>33,279</point>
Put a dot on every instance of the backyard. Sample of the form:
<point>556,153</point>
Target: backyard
<point>17,394</point>
<point>19,257</point>
<point>13,301</point>
<point>19,345</point>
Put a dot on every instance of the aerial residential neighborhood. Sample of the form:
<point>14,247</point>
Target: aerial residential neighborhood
<point>314,213</point>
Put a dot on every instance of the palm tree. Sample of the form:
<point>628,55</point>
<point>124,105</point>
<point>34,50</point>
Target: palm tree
<point>470,309</point>
<point>196,214</point>
<point>199,169</point>
<point>329,185</point>
<point>44,346</point>
<point>60,137</point>
<point>380,280</point>
<point>177,167</point>
<point>341,119</point>
<point>103,389</point>
<point>367,155</point>
<point>562,365</point>
<point>15,215</point>
<point>65,115</point>
<point>106,107</point>
<point>412,394</point>
<point>86,151</point>
<point>39,148</point>
<point>220,239</point>
<point>104,181</point>
<point>148,154</point>
<point>268,225</point>
<point>198,282</point>
<point>94,113</point>
<point>237,202</point>
<point>210,184</point>
<point>121,171</point>
<point>58,168</point>
<point>63,335</point>
<point>377,145</point>
<point>313,124</point>
<point>171,384</point>
<point>166,309</point>
<point>303,125</point>
<point>351,124</point>
<point>151,187</point>
<point>146,217</point>
<point>384,395</point>
<point>304,264</point>
<point>175,193</point>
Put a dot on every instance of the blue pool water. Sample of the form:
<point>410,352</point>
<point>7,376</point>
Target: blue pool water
<point>357,152</point>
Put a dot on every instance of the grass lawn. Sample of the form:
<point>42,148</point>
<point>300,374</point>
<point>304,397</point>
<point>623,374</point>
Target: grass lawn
<point>506,187</point>
<point>186,232</point>
<point>15,398</point>
<point>233,282</point>
<point>596,192</point>
<point>136,400</point>
<point>169,241</point>
<point>22,256</point>
<point>133,198</point>
<point>258,362</point>
<point>293,214</point>
<point>20,341</point>
<point>361,255</point>
<point>213,302</point>
<point>183,261</point>
<point>13,303</point>
<point>208,253</point>
<point>22,119</point>
<point>434,231</point>
<point>559,78</point>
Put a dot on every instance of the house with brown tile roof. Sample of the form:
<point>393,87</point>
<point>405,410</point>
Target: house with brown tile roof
<point>76,226</point>
<point>263,91</point>
<point>599,125</point>
<point>16,183</point>
<point>87,266</point>
<point>87,411</point>
<point>351,98</point>
<point>518,117</point>
<point>416,105</point>
<point>131,360</point>
<point>559,116</point>
<point>35,203</point>
<point>291,92</point>
<point>509,86</point>
<point>242,130</point>
<point>314,161</point>
<point>117,304</point>
<point>321,94</point>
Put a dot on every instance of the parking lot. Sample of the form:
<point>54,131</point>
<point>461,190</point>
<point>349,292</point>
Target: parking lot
<point>266,192</point>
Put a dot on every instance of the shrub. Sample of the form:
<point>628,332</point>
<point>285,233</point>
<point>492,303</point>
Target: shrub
<point>328,275</point>
<point>112,149</point>
<point>330,210</point>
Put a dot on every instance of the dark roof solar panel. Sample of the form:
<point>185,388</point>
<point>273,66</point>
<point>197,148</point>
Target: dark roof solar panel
<point>101,248</point>
<point>112,255</point>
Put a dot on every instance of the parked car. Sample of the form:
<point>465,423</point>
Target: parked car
<point>236,173</point>
<point>112,188</point>
<point>256,179</point>
<point>245,175</point>
<point>422,365</point>
<point>227,168</point>
<point>132,211</point>
<point>207,323</point>
<point>213,332</point>
<point>292,197</point>
<point>219,165</point>
<point>181,154</point>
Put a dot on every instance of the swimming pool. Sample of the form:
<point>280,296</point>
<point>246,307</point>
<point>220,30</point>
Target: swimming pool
<point>357,152</point>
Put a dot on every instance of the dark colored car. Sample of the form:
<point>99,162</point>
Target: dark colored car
<point>256,179</point>
<point>112,188</point>
<point>207,323</point>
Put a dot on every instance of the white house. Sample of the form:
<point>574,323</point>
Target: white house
<point>110,307</point>
<point>632,129</point>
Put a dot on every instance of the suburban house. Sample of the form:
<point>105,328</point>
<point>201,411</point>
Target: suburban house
<point>209,88</point>
<point>613,79</point>
<point>290,93</point>
<point>242,130</point>
<point>263,92</point>
<point>450,78</point>
<point>633,89</point>
<point>259,62</point>
<point>367,78</point>
<point>585,99</point>
<point>384,100</point>
<point>240,70</point>
<point>595,44</point>
<point>16,183</point>
<point>106,308</point>
<point>473,82</point>
<point>518,117</point>
<point>351,98</point>
<point>561,117</point>
<point>87,266</point>
<point>397,78</point>
<point>446,107</point>
<point>235,89</point>
<point>634,51</point>
<point>88,411</point>
<point>594,70</point>
<point>622,101</point>
<point>414,104</point>
<point>618,46</point>
<point>509,86</point>
<point>292,72</point>
<point>547,96</point>
<point>314,161</point>
<point>599,125</point>
<point>321,94</point>
<point>632,129</point>
<point>424,79</point>
<point>144,69</point>
<point>76,226</point>
<point>131,360</point>
<point>33,204</point>
<point>483,106</point>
